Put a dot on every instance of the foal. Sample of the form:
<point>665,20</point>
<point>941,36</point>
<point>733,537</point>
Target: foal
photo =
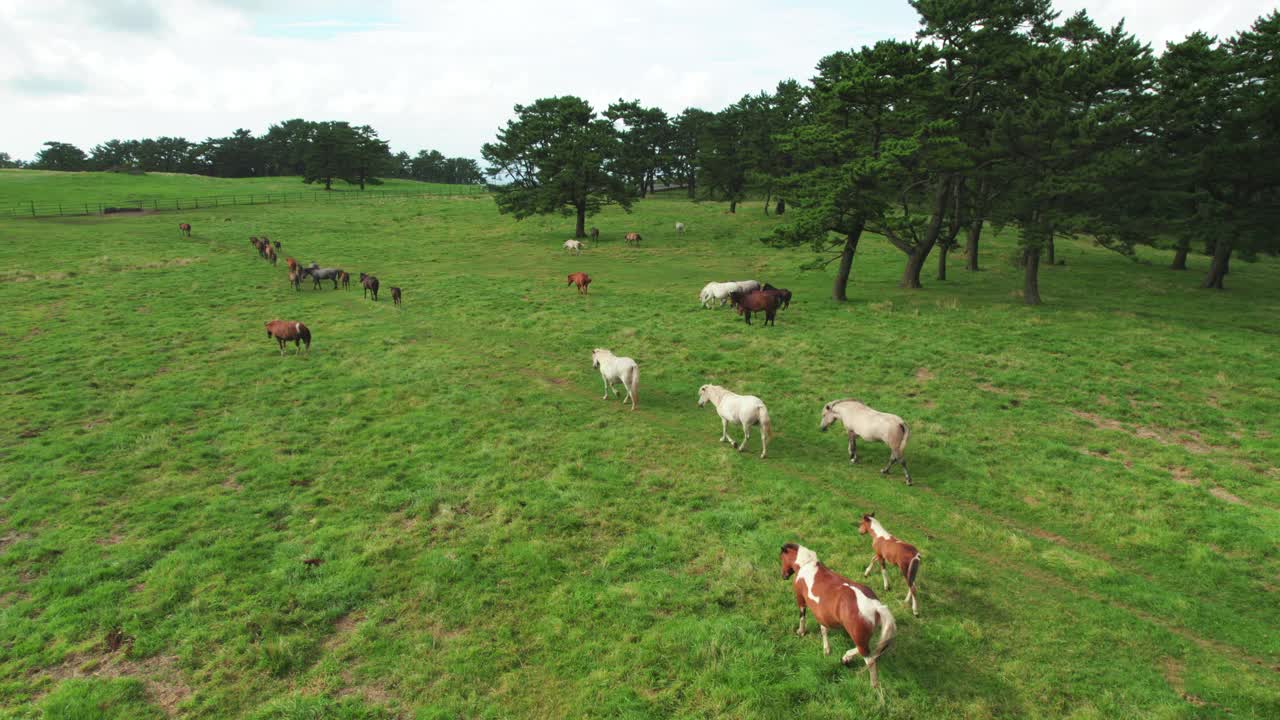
<point>395,296</point>
<point>370,285</point>
<point>285,330</point>
<point>837,601</point>
<point>617,369</point>
<point>891,549</point>
<point>581,279</point>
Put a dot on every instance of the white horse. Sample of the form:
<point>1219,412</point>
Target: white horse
<point>862,422</point>
<point>617,369</point>
<point>748,285</point>
<point>574,245</point>
<point>745,409</point>
<point>719,291</point>
<point>680,227</point>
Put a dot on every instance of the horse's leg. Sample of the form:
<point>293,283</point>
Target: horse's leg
<point>282,342</point>
<point>885,469</point>
<point>903,462</point>
<point>746,434</point>
<point>800,631</point>
<point>884,574</point>
<point>607,387</point>
<point>826,644</point>
<point>853,448</point>
<point>871,565</point>
<point>724,431</point>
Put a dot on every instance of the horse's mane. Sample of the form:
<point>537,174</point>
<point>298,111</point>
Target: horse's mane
<point>834,403</point>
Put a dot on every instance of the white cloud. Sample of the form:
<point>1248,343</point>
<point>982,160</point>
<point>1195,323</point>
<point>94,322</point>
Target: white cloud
<point>443,74</point>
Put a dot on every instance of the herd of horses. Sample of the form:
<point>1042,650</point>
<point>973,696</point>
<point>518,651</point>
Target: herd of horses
<point>834,600</point>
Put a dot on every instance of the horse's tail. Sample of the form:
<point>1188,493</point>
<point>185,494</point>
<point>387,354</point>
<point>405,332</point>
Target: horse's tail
<point>888,629</point>
<point>912,568</point>
<point>766,427</point>
<point>633,378</point>
<point>906,435</point>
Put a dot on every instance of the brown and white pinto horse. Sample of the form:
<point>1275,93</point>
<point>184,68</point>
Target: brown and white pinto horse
<point>837,601</point>
<point>581,279</point>
<point>184,229</point>
<point>890,549</point>
<point>632,237</point>
<point>288,330</point>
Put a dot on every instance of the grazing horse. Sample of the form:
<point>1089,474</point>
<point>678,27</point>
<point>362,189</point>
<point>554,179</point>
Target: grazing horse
<point>581,279</point>
<point>756,301</point>
<point>370,285</point>
<point>269,253</point>
<point>632,237</point>
<point>184,229</point>
<point>295,278</point>
<point>285,330</point>
<point>783,294</point>
<point>318,273</point>
<point>862,422</point>
<point>574,245</point>
<point>837,601</point>
<point>719,291</point>
<point>617,369</point>
<point>680,228</point>
<point>890,549</point>
<point>345,278</point>
<point>744,409</point>
<point>395,296</point>
<point>595,235</point>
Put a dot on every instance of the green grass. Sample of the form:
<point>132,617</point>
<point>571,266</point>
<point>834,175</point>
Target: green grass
<point>47,188</point>
<point>1096,479</point>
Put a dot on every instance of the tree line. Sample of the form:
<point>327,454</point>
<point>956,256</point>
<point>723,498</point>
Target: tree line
<point>319,152</point>
<point>997,114</point>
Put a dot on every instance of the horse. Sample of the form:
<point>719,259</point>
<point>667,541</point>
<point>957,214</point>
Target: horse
<point>255,242</point>
<point>295,278</point>
<point>632,237</point>
<point>285,330</point>
<point>581,279</point>
<point>617,369</point>
<point>318,273</point>
<point>293,265</point>
<point>747,285</point>
<point>862,422</point>
<point>783,294</point>
<point>744,409</point>
<point>370,285</point>
<point>269,253</point>
<point>574,245</point>
<point>276,243</point>
<point>888,548</point>
<point>595,235</point>
<point>395,296</point>
<point>837,601</point>
<point>345,278</point>
<point>184,229</point>
<point>756,301</point>
<point>680,228</point>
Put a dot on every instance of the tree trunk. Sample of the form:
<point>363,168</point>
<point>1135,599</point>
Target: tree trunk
<point>782,207</point>
<point>1031,286</point>
<point>733,207</point>
<point>1052,255</point>
<point>1180,255</point>
<point>581,230</point>
<point>915,261</point>
<point>838,289</point>
<point>768,200</point>
<point>942,262</point>
<point>1218,268</point>
<point>971,245</point>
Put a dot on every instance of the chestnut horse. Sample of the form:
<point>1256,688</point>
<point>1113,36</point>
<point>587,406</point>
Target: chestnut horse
<point>293,264</point>
<point>632,237</point>
<point>269,253</point>
<point>581,279</point>
<point>184,229</point>
<point>756,301</point>
<point>285,330</point>
<point>837,601</point>
<point>890,549</point>
<point>370,285</point>
<point>344,277</point>
<point>395,296</point>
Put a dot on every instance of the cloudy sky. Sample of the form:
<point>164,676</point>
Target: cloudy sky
<point>439,74</point>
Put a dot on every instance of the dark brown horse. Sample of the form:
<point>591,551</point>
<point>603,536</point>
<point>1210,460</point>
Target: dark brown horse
<point>395,296</point>
<point>581,279</point>
<point>276,243</point>
<point>595,234</point>
<point>888,548</point>
<point>344,277</point>
<point>285,331</point>
<point>837,601</point>
<point>370,285</point>
<point>756,301</point>
<point>184,229</point>
<point>782,293</point>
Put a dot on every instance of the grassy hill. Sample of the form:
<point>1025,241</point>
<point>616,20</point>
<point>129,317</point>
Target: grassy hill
<point>19,188</point>
<point>1096,479</point>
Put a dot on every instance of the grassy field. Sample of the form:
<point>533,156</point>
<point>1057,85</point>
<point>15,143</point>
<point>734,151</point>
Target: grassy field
<point>1096,479</point>
<point>45,188</point>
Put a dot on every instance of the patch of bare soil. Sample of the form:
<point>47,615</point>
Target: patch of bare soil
<point>1183,476</point>
<point>343,628</point>
<point>1191,440</point>
<point>231,484</point>
<point>923,374</point>
<point>1173,670</point>
<point>165,685</point>
<point>1224,495</point>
